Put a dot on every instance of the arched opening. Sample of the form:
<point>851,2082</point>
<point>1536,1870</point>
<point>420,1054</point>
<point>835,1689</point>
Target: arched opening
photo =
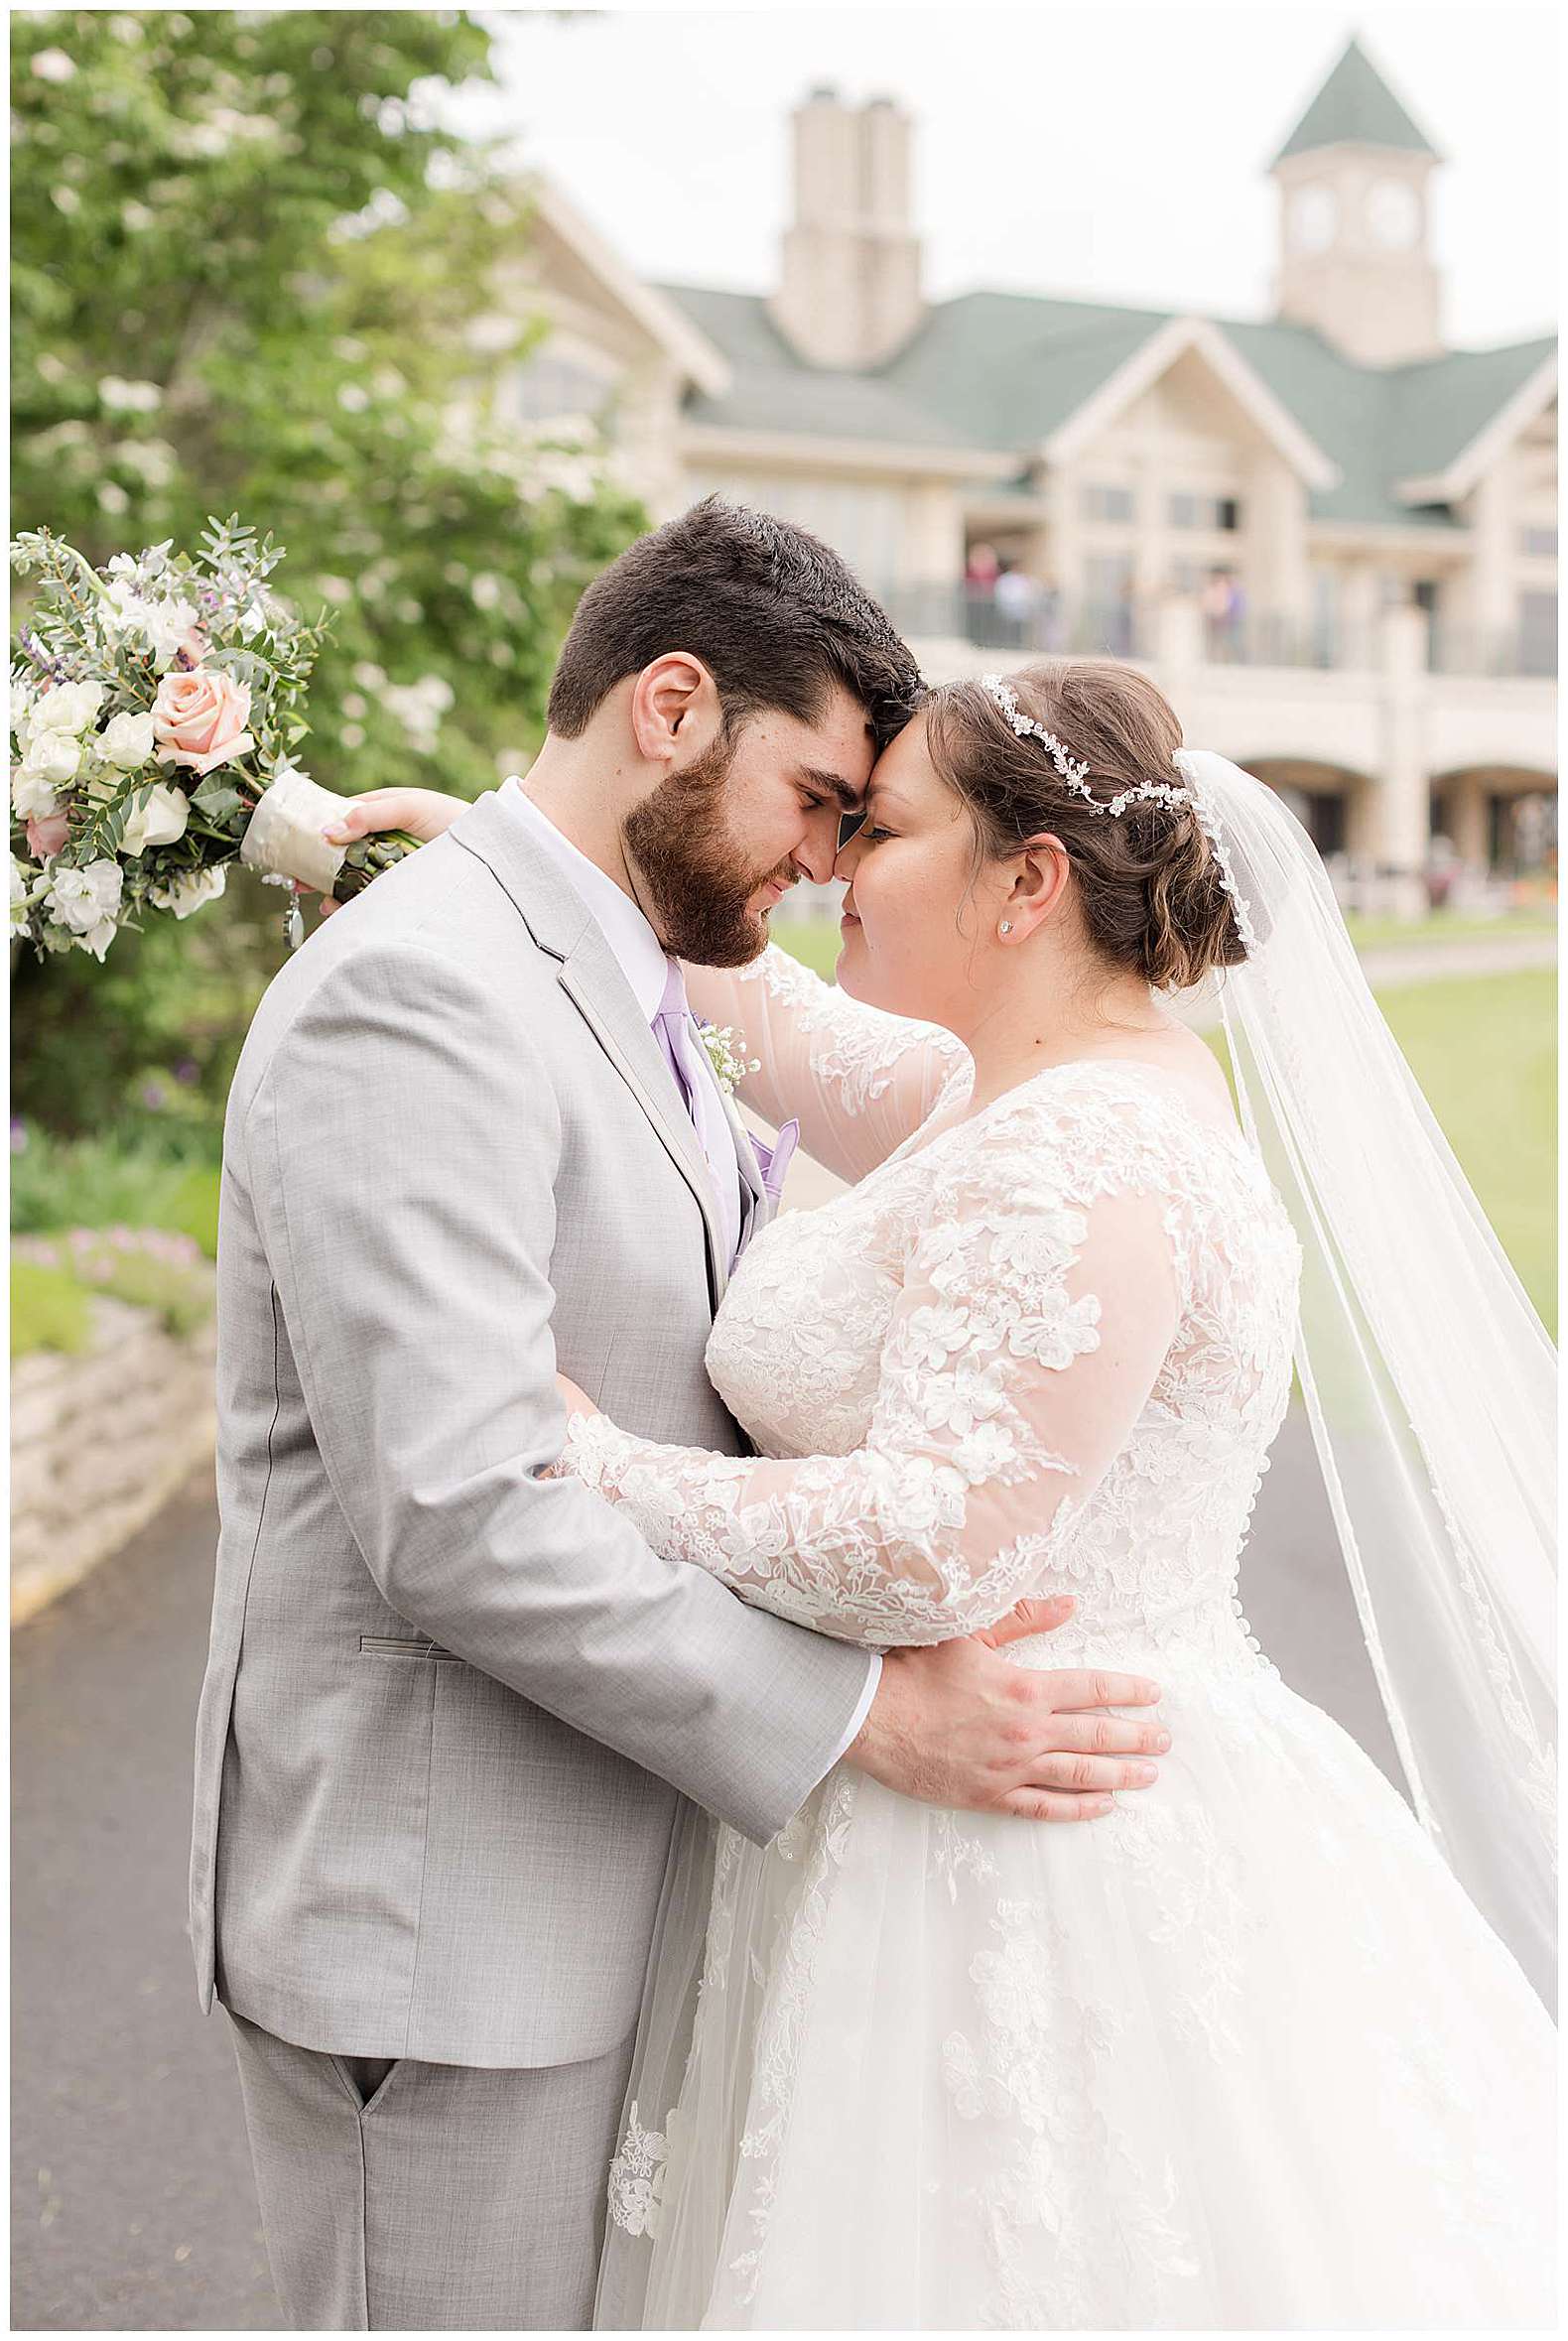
<point>1497,821</point>
<point>1332,803</point>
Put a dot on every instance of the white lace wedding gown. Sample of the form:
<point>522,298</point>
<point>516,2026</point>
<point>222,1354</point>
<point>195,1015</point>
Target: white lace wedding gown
<point>1242,2054</point>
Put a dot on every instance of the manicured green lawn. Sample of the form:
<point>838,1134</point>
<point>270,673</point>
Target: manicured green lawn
<point>1405,934</point>
<point>1485,1050</point>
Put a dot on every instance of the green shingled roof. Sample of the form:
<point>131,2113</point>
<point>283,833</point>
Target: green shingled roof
<point>1356,107</point>
<point>996,373</point>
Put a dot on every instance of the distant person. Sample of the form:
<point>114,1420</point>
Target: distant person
<point>1016,596</point>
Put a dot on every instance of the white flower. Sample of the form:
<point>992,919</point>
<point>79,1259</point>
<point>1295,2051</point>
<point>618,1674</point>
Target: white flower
<point>21,877</point>
<point>725,1049</point>
<point>86,904</point>
<point>126,741</point>
<point>187,893</point>
<point>157,820</point>
<point>69,706</point>
<point>33,784</point>
<point>53,65</point>
<point>162,625</point>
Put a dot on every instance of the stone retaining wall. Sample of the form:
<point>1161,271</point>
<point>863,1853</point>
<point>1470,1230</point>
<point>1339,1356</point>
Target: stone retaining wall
<point>99,1442</point>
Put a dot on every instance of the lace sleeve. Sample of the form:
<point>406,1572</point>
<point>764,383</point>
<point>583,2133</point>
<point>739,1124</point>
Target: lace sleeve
<point>858,1081</point>
<point>1031,1328</point>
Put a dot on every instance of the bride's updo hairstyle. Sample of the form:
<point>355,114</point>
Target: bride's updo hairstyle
<point>1148,885</point>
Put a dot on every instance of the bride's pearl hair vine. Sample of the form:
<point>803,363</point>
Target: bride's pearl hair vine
<point>1155,792</point>
<point>1159,791</point>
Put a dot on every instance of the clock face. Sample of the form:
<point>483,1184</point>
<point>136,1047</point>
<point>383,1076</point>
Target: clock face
<point>1394,214</point>
<point>1314,216</point>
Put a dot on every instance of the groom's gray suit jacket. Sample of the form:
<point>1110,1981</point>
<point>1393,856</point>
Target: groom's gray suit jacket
<point>451,1709</point>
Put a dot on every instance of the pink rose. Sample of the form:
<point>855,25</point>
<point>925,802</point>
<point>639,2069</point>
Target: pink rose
<point>199,719</point>
<point>46,834</point>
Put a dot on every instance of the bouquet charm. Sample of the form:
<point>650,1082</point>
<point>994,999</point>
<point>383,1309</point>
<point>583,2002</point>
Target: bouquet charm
<point>155,705</point>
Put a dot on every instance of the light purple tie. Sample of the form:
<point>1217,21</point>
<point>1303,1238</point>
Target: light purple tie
<point>676,1033</point>
<point>671,1029</point>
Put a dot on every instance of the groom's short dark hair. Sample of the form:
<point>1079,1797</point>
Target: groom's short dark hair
<point>772,611</point>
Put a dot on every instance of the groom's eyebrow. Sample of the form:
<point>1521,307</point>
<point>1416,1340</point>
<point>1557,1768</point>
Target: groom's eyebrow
<point>848,796</point>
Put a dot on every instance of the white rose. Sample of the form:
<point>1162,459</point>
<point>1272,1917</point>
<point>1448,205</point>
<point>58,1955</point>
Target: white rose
<point>33,796</point>
<point>69,706</point>
<point>185,894</point>
<point>48,760</point>
<point>157,820</point>
<point>86,904</point>
<point>126,741</point>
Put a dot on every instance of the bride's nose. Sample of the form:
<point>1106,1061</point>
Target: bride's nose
<point>847,858</point>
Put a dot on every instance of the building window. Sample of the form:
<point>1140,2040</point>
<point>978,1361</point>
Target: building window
<point>1537,634</point>
<point>1108,504</point>
<point>1222,515</point>
<point>1540,543</point>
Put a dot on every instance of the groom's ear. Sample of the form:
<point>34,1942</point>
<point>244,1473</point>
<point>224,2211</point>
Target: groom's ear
<point>673,707</point>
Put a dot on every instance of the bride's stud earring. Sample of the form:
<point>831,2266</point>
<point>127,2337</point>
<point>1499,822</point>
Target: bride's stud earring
<point>1006,927</point>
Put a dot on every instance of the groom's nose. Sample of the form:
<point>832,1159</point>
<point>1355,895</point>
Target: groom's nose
<point>815,855</point>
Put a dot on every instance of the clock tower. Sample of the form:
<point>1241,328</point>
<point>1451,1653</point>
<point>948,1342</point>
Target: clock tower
<point>1355,226</point>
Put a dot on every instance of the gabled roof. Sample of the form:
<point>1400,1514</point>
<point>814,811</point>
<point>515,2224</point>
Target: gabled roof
<point>1003,375</point>
<point>1447,416</point>
<point>1356,107</point>
<point>663,321</point>
<point>771,389</point>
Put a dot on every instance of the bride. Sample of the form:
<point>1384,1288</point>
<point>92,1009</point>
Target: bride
<point>1257,2052</point>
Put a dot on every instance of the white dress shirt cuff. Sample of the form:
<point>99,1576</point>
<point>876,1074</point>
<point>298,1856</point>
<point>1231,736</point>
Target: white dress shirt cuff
<point>860,1713</point>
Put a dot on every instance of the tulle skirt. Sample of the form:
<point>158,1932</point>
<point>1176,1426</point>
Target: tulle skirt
<point>1242,2055</point>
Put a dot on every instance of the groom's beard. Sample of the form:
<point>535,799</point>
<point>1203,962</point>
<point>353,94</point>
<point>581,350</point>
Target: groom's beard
<point>697,879</point>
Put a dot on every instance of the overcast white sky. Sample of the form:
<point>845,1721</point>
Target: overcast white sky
<point>1092,149</point>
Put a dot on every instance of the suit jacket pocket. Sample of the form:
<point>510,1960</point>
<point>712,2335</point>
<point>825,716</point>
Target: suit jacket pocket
<point>385,1645</point>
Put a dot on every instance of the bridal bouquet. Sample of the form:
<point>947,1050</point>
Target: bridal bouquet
<point>154,705</point>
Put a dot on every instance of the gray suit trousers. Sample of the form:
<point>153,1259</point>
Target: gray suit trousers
<point>412,2197</point>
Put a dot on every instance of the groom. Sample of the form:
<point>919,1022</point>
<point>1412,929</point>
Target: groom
<point>455,1713</point>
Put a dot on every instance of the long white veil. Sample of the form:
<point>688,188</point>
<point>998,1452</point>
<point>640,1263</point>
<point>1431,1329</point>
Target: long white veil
<point>1428,1378</point>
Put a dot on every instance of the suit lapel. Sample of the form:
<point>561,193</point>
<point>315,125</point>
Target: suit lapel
<point>755,1209</point>
<point>591,976</point>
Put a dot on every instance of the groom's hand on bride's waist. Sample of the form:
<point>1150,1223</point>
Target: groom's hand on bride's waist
<point>958,1724</point>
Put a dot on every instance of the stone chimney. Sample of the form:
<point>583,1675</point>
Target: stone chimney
<point>851,290</point>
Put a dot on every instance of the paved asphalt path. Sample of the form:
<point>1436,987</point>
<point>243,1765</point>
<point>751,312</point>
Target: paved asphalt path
<point>133,2204</point>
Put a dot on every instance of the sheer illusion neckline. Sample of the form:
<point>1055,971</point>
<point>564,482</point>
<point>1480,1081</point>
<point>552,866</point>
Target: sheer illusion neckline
<point>920,1141</point>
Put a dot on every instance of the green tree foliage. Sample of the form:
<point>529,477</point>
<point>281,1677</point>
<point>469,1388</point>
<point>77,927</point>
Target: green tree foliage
<point>253,273</point>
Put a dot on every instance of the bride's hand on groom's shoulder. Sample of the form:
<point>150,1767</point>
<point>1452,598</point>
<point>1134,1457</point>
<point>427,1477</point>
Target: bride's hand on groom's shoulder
<point>418,813</point>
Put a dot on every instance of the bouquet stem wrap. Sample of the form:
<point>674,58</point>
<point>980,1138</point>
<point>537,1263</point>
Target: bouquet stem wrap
<point>283,837</point>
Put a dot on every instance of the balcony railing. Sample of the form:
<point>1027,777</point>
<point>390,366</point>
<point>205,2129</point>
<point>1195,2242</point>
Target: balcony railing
<point>1131,628</point>
<point>1120,630</point>
<point>1469,650</point>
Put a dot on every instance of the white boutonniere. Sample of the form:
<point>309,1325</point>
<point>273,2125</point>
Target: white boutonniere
<point>727,1054</point>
